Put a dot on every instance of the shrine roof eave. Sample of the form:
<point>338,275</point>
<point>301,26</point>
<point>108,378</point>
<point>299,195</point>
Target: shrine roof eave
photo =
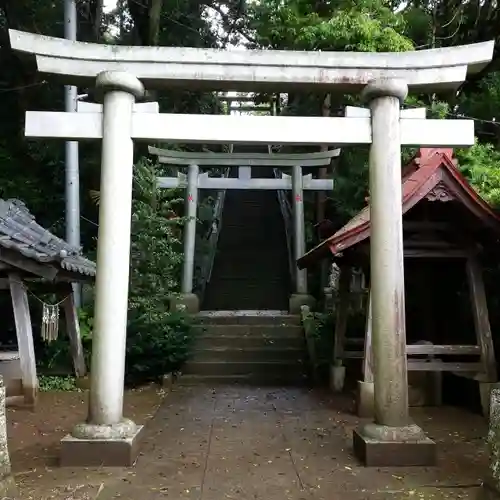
<point>213,69</point>
<point>416,186</point>
<point>28,247</point>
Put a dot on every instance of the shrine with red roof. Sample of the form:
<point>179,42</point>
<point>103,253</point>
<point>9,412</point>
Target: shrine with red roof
<point>447,229</point>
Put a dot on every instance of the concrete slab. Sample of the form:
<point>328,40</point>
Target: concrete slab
<point>242,443</point>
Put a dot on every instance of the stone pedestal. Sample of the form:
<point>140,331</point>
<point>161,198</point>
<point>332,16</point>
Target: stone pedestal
<point>383,446</point>
<point>297,300</point>
<point>101,446</point>
<point>187,301</point>
<point>491,486</point>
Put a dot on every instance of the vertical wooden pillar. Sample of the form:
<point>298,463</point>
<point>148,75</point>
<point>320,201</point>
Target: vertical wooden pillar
<point>73,329</point>
<point>365,402</point>
<point>341,316</point>
<point>24,334</point>
<point>482,329</point>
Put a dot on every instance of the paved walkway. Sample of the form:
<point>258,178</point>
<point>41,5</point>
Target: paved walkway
<point>282,444</point>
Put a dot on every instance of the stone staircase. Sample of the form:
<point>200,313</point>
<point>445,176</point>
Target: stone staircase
<point>244,335</point>
<point>248,348</point>
<point>251,270</point>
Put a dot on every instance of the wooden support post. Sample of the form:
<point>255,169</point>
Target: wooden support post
<point>367,358</point>
<point>341,316</point>
<point>482,329</point>
<point>24,334</point>
<point>73,329</point>
<point>365,403</point>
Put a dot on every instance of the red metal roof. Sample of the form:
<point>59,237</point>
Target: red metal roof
<point>430,167</point>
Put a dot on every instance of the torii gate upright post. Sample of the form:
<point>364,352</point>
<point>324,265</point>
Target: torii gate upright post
<point>189,298</point>
<point>387,274</point>
<point>386,254</point>
<point>119,91</point>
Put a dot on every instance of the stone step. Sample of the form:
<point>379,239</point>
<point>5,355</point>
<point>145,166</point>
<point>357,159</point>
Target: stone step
<point>264,368</point>
<point>270,331</point>
<point>247,318</point>
<point>249,342</point>
<point>252,380</point>
<point>265,354</point>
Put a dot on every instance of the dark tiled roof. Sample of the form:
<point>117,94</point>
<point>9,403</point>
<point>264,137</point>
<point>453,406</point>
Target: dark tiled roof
<point>20,232</point>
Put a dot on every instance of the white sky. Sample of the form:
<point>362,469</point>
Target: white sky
<point>109,5</point>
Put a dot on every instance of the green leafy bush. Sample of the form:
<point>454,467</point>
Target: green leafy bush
<point>158,340</point>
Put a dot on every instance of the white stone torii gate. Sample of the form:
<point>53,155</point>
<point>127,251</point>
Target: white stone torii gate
<point>194,181</point>
<point>120,74</point>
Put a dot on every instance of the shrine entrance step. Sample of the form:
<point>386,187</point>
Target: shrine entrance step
<point>247,348</point>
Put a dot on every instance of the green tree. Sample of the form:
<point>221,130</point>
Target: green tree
<point>157,340</point>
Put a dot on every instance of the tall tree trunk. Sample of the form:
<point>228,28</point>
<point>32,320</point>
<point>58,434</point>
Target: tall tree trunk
<point>155,8</point>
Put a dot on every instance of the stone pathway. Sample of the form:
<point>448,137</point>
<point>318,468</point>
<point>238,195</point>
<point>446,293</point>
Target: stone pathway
<point>283,444</point>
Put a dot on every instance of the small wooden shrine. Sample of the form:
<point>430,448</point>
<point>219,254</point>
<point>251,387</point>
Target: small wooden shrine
<point>446,226</point>
<point>34,261</point>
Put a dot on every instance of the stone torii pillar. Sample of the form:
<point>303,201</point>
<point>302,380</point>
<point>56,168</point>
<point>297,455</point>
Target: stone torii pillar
<point>107,438</point>
<point>392,439</point>
<point>190,299</point>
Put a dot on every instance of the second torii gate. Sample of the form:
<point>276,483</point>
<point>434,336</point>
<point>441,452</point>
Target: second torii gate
<point>194,181</point>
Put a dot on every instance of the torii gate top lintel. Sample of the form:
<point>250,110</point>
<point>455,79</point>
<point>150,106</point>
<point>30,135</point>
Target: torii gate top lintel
<point>195,68</point>
<point>316,159</point>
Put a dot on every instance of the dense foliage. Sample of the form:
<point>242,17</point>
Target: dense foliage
<point>157,339</point>
<point>34,171</point>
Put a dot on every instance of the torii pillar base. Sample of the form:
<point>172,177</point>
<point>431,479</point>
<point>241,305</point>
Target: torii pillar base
<point>108,448</point>
<point>189,302</point>
<point>297,300</point>
<point>382,446</point>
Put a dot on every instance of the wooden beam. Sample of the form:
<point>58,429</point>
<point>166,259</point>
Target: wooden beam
<point>243,129</point>
<point>481,318</point>
<point>443,366</point>
<point>368,348</point>
<point>24,334</point>
<point>435,254</point>
<point>73,329</point>
<point>342,312</point>
<point>440,350</point>
<point>16,260</point>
